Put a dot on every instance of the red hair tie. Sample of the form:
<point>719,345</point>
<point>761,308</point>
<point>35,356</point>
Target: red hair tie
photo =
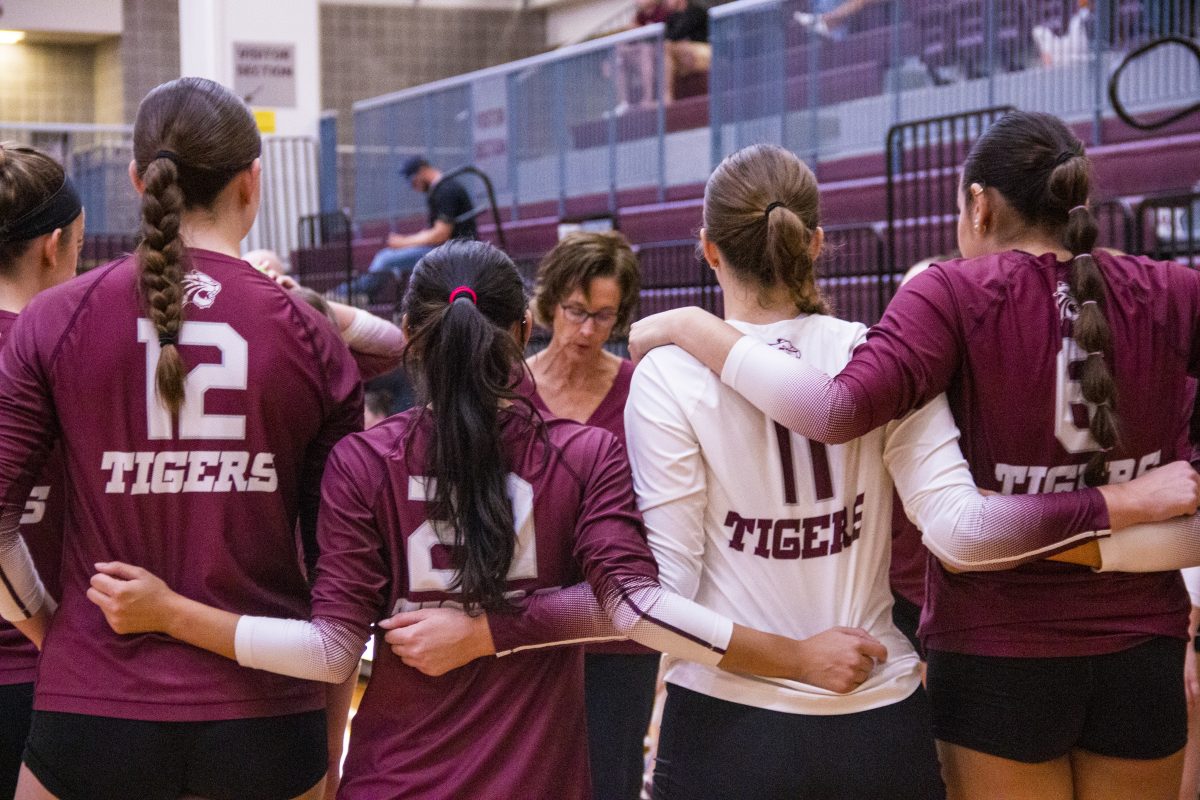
<point>464,290</point>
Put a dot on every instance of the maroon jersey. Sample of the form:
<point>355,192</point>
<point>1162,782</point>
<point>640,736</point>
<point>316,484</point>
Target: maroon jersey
<point>906,573</point>
<point>995,333</point>
<point>208,501</point>
<point>609,415</point>
<point>498,727</point>
<point>41,527</point>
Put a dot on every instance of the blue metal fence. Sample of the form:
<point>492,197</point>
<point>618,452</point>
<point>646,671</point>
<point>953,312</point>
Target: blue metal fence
<point>829,87</point>
<point>585,120</point>
<point>589,120</point>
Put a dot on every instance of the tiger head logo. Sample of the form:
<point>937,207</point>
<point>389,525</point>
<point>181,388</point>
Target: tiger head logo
<point>1068,309</point>
<point>199,289</point>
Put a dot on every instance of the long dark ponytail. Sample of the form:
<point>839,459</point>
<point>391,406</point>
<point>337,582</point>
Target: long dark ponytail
<point>1040,169</point>
<point>463,300</point>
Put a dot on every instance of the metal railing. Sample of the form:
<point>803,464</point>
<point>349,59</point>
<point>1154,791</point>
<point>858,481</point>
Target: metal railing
<point>1168,228</point>
<point>830,89</point>
<point>584,120</point>
<point>97,159</point>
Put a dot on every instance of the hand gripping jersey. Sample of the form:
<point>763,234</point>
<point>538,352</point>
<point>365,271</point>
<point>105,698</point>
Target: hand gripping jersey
<point>41,528</point>
<point>209,502</point>
<point>995,334</point>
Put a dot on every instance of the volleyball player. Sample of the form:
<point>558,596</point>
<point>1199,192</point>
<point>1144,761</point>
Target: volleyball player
<point>1047,680</point>
<point>466,498</point>
<point>41,234</point>
<point>195,402</point>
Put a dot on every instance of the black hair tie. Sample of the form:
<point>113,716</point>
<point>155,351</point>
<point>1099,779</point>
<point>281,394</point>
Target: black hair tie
<point>771,207</point>
<point>1064,157</point>
<point>169,156</point>
<point>165,339</point>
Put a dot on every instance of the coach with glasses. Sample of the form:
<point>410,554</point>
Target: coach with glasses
<point>587,294</point>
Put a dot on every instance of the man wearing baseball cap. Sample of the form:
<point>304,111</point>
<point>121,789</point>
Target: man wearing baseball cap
<point>447,200</point>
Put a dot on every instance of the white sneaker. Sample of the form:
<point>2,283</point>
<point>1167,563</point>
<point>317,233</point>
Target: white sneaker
<point>813,22</point>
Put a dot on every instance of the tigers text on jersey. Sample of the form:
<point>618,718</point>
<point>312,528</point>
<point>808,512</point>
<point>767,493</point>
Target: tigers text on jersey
<point>41,527</point>
<point>775,531</point>
<point>497,727</point>
<point>209,501</point>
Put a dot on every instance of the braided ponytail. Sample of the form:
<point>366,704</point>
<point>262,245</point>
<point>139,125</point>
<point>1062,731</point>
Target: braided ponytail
<point>1093,335</point>
<point>191,137</point>
<point>161,254</point>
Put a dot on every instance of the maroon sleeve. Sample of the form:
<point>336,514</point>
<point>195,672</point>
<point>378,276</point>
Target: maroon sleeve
<point>910,356</point>
<point>28,422</point>
<point>372,366</point>
<point>610,546</point>
<point>342,415</point>
<point>352,575</point>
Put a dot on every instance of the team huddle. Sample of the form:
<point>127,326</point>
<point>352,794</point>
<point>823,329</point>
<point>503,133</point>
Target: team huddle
<point>197,540</point>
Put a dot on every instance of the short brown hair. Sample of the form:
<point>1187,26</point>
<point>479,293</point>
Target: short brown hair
<point>575,262</point>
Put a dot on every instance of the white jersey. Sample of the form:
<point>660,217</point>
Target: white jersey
<point>775,531</point>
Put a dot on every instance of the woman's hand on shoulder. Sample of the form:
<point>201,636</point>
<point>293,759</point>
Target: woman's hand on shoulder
<point>663,328</point>
<point>133,599</point>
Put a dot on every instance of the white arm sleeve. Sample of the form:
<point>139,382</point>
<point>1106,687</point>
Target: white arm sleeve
<point>1161,547</point>
<point>789,391</point>
<point>373,335</point>
<point>965,530</point>
<point>21,592</point>
<point>1191,579</point>
<point>669,477</point>
<point>321,650</point>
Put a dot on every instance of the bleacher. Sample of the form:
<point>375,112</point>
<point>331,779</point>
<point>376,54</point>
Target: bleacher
<point>775,80</point>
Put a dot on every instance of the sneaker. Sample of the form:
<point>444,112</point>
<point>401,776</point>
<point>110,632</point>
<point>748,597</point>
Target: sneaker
<point>813,22</point>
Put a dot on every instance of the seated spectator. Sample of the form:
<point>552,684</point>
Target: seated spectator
<point>639,54</point>
<point>448,203</point>
<point>686,44</point>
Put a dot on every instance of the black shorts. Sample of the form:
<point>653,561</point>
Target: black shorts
<point>906,616</point>
<point>619,690</point>
<point>82,757</point>
<point>711,749</point>
<point>16,705</point>
<point>1124,705</point>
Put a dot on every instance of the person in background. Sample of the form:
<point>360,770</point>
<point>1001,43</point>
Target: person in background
<point>41,235</point>
<point>586,293</point>
<point>448,203</point>
<point>639,55</point>
<point>685,43</point>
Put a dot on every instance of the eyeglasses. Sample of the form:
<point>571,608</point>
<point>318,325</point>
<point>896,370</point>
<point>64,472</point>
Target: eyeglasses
<point>580,315</point>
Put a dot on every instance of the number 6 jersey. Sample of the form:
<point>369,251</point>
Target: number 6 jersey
<point>208,501</point>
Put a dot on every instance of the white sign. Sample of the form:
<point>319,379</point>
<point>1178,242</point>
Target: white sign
<point>490,129</point>
<point>264,73</point>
